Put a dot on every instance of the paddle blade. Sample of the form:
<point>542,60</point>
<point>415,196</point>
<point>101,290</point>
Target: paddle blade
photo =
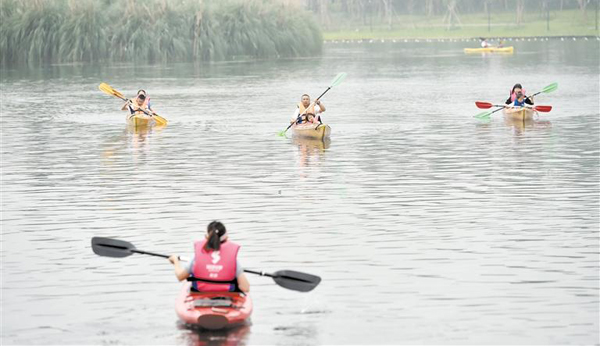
<point>543,109</point>
<point>550,88</point>
<point>160,121</point>
<point>282,133</point>
<point>483,116</point>
<point>338,79</point>
<point>105,88</point>
<point>483,105</point>
<point>296,281</point>
<point>109,90</point>
<point>111,247</point>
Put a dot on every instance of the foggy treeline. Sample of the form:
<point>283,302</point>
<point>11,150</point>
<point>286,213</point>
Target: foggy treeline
<point>328,11</point>
<point>38,31</point>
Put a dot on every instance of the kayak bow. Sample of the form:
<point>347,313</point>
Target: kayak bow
<point>310,130</point>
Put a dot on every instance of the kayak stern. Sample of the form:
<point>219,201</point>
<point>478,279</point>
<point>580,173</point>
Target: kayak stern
<point>212,310</point>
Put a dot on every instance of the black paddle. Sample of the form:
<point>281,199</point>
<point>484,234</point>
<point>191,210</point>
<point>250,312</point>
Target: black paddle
<point>289,279</point>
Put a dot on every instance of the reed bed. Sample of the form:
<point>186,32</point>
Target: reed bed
<point>59,31</point>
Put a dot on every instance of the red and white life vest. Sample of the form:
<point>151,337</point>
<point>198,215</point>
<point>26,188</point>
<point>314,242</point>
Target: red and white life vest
<point>211,265</point>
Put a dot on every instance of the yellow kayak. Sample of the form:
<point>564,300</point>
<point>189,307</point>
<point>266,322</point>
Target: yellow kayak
<point>490,50</point>
<point>138,121</point>
<point>310,130</point>
<point>519,113</point>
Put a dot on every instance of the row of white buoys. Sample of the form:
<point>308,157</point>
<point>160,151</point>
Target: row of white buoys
<point>430,40</point>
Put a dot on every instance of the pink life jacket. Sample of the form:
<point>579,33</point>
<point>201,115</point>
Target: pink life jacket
<point>218,266</point>
<point>143,106</point>
<point>513,96</point>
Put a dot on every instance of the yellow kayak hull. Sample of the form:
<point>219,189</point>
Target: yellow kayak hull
<point>310,130</point>
<point>519,113</point>
<point>508,50</point>
<point>140,121</point>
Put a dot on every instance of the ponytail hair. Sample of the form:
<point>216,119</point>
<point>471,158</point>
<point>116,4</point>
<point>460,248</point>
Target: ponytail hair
<point>215,231</point>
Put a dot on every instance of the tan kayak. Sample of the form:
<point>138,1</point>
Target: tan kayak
<point>519,113</point>
<point>311,130</point>
<point>508,50</point>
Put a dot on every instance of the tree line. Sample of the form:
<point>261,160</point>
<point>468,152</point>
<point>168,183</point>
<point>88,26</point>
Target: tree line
<point>387,10</point>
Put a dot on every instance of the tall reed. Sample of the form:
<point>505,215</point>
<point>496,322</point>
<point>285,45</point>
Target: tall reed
<point>40,31</point>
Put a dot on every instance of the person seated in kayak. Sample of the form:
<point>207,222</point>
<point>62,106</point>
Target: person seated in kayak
<point>484,43</point>
<point>309,112</point>
<point>214,263</point>
<point>517,97</point>
<point>138,104</point>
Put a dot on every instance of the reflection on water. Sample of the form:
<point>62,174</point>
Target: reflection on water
<point>134,139</point>
<point>311,152</point>
<point>426,225</point>
<point>521,126</point>
<point>202,337</point>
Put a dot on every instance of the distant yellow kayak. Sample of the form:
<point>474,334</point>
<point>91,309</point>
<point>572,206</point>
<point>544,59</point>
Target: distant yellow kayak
<point>490,50</point>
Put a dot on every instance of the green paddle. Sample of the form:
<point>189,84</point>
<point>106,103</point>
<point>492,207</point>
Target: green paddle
<point>289,279</point>
<point>550,88</point>
<point>335,82</point>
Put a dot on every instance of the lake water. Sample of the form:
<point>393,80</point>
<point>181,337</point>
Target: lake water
<point>426,225</point>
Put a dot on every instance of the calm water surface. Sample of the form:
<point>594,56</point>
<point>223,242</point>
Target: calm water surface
<point>426,225</point>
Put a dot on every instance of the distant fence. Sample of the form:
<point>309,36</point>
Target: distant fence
<point>471,39</point>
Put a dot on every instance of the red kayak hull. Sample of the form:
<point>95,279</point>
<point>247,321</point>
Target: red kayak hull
<point>212,310</point>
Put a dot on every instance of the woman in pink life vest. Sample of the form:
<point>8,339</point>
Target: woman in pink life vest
<point>518,93</point>
<point>139,103</point>
<point>214,263</point>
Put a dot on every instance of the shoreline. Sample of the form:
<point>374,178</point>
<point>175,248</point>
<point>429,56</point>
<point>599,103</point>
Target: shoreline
<point>463,39</point>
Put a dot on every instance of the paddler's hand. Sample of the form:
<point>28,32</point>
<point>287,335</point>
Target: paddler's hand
<point>174,259</point>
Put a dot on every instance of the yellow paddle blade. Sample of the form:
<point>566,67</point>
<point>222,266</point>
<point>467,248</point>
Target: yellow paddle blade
<point>105,88</point>
<point>160,121</point>
<point>109,90</point>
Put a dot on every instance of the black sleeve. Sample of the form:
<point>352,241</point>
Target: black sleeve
<point>508,101</point>
<point>528,101</point>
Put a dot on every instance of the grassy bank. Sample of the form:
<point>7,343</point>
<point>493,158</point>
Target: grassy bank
<point>153,30</point>
<point>563,23</point>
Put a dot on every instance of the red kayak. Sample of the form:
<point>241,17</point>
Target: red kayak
<point>213,310</point>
